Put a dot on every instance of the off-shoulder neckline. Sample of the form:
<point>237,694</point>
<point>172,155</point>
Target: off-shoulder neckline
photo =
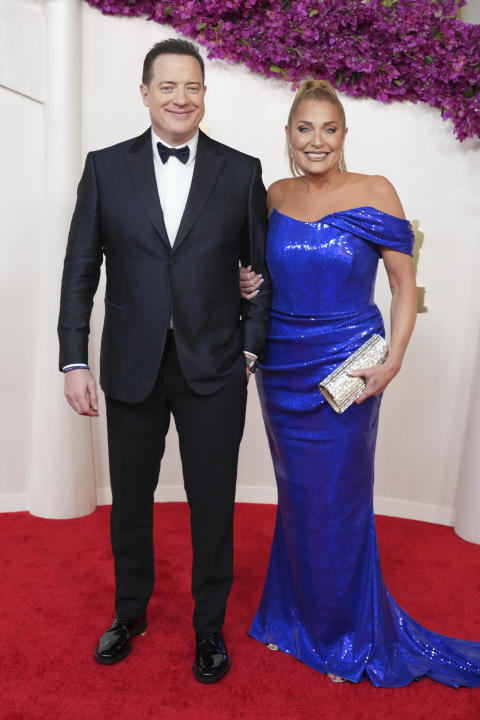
<point>338,212</point>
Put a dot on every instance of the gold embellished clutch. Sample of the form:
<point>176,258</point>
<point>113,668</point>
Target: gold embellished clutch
<point>339,388</point>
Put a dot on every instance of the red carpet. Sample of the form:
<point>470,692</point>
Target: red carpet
<point>57,589</point>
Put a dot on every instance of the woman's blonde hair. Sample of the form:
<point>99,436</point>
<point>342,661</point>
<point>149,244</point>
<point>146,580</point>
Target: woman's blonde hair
<point>314,90</point>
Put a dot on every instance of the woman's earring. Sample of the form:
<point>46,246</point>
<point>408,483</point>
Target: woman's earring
<point>340,161</point>
<point>290,150</point>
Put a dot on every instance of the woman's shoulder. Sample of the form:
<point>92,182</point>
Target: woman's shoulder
<point>278,190</point>
<point>372,182</point>
<point>282,186</point>
<point>378,192</point>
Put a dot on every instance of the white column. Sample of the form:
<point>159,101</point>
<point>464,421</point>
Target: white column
<point>467,522</point>
<point>467,511</point>
<point>62,481</point>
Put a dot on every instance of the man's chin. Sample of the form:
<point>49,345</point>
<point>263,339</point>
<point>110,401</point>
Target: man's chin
<point>181,135</point>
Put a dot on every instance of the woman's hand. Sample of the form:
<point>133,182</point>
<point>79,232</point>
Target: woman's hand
<point>377,379</point>
<point>249,282</point>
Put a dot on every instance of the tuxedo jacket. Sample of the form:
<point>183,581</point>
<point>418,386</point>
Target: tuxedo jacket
<point>118,217</point>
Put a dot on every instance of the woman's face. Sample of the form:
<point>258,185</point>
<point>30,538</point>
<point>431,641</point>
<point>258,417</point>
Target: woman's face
<point>316,135</point>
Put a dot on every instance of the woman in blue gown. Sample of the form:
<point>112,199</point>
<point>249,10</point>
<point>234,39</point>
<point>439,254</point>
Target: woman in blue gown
<point>324,600</point>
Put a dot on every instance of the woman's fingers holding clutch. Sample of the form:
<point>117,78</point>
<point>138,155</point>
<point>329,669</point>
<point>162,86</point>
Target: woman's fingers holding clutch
<point>376,378</point>
<point>249,282</point>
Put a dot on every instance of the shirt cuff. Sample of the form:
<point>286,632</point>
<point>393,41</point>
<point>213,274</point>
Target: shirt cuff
<point>250,354</point>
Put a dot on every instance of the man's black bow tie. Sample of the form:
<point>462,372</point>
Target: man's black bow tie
<point>182,153</point>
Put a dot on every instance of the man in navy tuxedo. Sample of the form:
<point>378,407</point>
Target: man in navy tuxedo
<point>173,213</point>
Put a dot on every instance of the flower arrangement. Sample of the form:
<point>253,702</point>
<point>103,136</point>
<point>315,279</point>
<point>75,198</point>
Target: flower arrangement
<point>416,50</point>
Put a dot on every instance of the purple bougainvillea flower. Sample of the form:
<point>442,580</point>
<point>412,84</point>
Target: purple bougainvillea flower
<point>385,49</point>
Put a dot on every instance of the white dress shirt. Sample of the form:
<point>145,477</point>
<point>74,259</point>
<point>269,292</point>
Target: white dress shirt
<point>174,179</point>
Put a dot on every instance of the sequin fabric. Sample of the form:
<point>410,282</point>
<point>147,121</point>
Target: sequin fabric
<point>324,600</point>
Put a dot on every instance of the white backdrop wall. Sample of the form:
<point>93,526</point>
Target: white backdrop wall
<point>424,413</point>
<point>21,150</point>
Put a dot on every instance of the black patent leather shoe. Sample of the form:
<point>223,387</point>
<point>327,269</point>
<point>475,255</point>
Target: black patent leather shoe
<point>116,643</point>
<point>212,661</point>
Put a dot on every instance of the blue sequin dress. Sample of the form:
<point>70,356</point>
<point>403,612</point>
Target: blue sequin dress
<point>324,600</point>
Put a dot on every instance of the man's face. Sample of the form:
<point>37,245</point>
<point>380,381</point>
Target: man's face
<point>175,97</point>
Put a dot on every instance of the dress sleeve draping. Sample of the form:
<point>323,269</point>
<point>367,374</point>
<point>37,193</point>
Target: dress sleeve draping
<point>376,227</point>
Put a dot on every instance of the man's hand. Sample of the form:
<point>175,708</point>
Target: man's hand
<point>81,392</point>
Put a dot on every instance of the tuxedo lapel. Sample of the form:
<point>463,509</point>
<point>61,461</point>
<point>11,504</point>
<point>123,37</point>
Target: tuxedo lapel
<point>140,162</point>
<point>208,162</point>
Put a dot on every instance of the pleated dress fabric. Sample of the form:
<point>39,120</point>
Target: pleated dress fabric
<point>324,600</point>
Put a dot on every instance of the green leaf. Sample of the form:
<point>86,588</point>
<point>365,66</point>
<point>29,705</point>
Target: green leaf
<point>275,69</point>
<point>470,92</point>
<point>338,78</point>
<point>399,82</point>
<point>312,13</point>
<point>428,60</point>
<point>200,26</point>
